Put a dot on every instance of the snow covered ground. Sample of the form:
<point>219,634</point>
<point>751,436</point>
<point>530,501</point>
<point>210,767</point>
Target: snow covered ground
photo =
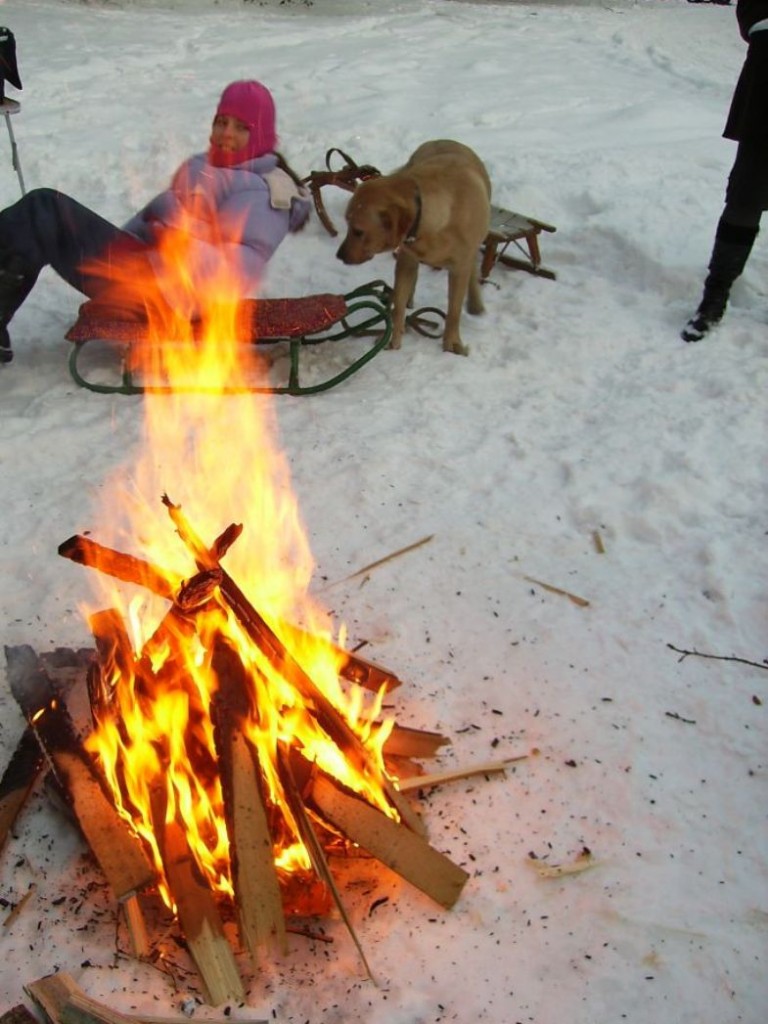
<point>579,413</point>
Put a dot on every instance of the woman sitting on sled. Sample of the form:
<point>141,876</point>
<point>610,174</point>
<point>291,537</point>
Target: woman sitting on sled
<point>234,205</point>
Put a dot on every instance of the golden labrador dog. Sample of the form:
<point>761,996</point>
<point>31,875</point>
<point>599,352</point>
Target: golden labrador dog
<point>434,210</point>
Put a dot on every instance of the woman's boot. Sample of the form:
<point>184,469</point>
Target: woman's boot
<point>733,245</point>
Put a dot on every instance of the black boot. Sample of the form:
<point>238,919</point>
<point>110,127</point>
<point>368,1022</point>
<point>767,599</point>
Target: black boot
<point>8,67</point>
<point>733,245</point>
<point>6,353</point>
<point>15,285</point>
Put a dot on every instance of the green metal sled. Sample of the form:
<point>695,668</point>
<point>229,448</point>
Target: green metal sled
<point>298,322</point>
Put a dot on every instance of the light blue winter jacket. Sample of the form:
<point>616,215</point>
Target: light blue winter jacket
<point>235,218</point>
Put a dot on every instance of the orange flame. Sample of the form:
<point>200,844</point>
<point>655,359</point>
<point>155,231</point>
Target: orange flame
<point>216,453</point>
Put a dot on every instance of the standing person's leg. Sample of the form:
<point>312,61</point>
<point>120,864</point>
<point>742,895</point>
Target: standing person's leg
<point>48,228</point>
<point>745,199</point>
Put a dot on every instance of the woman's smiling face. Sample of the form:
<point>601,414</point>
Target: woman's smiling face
<point>229,134</point>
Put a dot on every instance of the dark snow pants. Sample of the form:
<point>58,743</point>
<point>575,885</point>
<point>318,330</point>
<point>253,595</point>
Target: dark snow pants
<point>746,196</point>
<point>48,228</point>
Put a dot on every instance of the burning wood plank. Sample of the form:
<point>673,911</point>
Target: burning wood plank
<point>18,779</point>
<point>402,850</point>
<point>404,742</point>
<point>254,876</point>
<point>315,848</point>
<point>62,1002</point>
<point>123,567</point>
<point>114,658</point>
<point>26,763</point>
<point>257,890</point>
<point>199,919</point>
<point>118,851</point>
<point>166,584</point>
<point>278,654</point>
<point>354,668</point>
<point>368,674</point>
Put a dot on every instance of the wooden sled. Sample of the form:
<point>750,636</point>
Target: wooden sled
<point>297,322</point>
<point>508,228</point>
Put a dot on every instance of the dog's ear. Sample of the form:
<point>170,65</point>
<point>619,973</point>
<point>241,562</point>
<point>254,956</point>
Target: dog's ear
<point>390,225</point>
<point>405,218</point>
<point>398,218</point>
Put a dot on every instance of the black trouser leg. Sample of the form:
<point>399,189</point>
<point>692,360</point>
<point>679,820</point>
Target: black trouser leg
<point>14,288</point>
<point>733,244</point>
<point>49,228</point>
<point>746,195</point>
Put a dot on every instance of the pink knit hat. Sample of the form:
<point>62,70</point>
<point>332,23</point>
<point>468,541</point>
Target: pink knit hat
<point>252,103</point>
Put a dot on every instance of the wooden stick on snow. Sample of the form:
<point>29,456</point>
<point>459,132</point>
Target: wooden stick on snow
<point>437,778</point>
<point>385,559</point>
<point>582,602</point>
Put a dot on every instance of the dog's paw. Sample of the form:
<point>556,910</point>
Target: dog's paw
<point>458,348</point>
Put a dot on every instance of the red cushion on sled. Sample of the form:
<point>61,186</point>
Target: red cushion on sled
<point>259,320</point>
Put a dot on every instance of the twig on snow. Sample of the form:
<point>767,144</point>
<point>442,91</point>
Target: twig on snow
<point>718,657</point>
<point>387,558</point>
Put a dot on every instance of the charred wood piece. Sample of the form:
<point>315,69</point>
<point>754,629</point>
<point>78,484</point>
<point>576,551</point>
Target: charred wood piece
<point>18,780</point>
<point>118,850</point>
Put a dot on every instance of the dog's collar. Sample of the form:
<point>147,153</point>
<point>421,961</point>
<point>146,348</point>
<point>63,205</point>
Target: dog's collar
<point>413,231</point>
